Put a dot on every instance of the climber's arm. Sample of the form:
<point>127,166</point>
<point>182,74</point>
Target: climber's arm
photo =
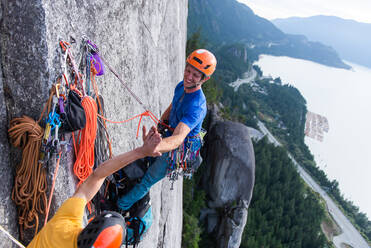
<point>92,184</point>
<point>174,141</point>
<point>178,136</point>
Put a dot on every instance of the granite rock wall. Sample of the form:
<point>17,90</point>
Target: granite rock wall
<point>143,40</point>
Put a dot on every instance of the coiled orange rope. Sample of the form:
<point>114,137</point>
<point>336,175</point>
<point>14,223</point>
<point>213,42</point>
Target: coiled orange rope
<point>84,163</point>
<point>30,184</point>
<point>29,192</point>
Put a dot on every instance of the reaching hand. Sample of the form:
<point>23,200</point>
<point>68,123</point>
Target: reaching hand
<point>151,140</point>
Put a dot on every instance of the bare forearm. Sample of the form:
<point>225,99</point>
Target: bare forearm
<point>175,140</point>
<point>118,162</point>
<point>93,183</point>
<point>170,143</point>
<point>89,187</point>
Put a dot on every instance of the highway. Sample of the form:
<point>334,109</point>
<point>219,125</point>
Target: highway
<point>246,79</point>
<point>350,234</point>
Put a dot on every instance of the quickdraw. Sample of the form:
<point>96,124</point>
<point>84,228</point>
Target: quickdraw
<point>51,143</point>
<point>66,47</point>
<point>182,159</point>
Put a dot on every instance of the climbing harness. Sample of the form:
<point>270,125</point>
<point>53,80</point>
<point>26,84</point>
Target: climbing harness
<point>185,160</point>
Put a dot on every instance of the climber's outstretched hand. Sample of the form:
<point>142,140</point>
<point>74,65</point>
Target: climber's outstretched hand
<point>151,140</point>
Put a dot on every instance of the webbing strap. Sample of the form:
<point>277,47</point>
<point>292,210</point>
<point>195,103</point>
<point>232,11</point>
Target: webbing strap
<point>52,189</point>
<point>11,237</point>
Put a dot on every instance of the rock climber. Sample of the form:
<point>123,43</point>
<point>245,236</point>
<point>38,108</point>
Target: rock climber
<point>106,230</point>
<point>185,115</point>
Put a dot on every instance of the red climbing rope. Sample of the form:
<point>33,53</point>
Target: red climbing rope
<point>145,113</point>
<point>84,163</point>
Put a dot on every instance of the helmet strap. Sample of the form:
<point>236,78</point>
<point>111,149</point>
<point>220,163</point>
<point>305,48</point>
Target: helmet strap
<point>194,86</point>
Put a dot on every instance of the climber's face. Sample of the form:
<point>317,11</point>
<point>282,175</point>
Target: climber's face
<point>192,79</point>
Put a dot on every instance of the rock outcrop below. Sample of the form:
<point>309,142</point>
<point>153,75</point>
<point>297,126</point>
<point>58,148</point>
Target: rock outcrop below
<point>143,40</point>
<point>229,180</point>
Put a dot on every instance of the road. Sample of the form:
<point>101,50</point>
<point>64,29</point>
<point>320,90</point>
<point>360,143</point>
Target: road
<point>350,234</point>
<point>247,78</point>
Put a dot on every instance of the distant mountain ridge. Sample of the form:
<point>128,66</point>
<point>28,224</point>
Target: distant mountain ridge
<point>351,39</point>
<point>228,22</point>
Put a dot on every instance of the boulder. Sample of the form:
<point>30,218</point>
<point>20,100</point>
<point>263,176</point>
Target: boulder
<point>231,227</point>
<point>231,164</point>
<point>230,176</point>
<point>143,40</point>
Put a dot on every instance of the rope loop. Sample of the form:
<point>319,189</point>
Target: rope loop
<point>29,191</point>
<point>84,163</point>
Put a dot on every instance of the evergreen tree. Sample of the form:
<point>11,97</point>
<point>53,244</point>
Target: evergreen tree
<point>282,213</point>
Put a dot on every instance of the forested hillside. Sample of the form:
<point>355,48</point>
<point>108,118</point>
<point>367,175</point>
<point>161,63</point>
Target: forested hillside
<point>282,109</point>
<point>283,212</point>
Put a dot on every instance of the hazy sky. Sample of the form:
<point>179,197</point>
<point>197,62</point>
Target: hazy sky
<point>359,10</point>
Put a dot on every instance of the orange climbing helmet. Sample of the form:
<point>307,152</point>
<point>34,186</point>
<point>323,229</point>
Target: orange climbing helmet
<point>106,230</point>
<point>202,60</point>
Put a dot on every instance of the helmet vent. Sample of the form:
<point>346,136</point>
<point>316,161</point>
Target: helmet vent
<point>198,60</point>
<point>207,67</point>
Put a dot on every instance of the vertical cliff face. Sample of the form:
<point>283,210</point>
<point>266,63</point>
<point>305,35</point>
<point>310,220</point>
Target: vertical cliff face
<point>143,40</point>
<point>228,180</point>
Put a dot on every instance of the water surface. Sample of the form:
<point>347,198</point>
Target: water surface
<point>344,97</point>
